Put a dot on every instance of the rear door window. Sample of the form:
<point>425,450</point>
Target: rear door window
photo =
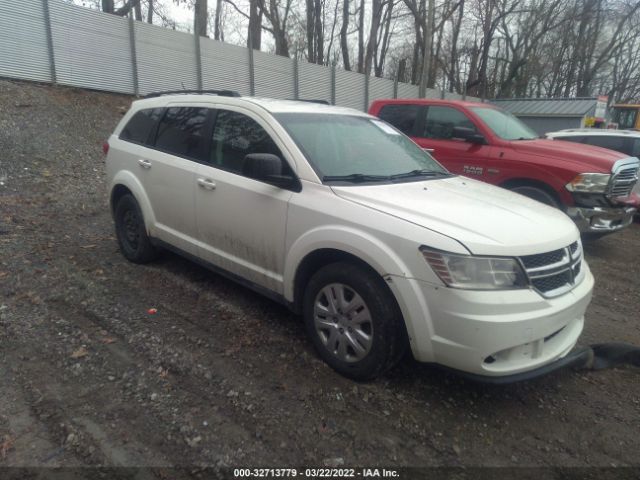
<point>183,131</point>
<point>141,126</point>
<point>572,138</point>
<point>440,121</point>
<point>403,117</point>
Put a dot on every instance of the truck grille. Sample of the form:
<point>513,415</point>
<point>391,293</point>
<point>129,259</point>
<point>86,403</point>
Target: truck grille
<point>623,181</point>
<point>556,272</point>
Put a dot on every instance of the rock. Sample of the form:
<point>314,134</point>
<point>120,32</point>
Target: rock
<point>154,397</point>
<point>193,442</point>
<point>333,462</point>
<point>456,449</point>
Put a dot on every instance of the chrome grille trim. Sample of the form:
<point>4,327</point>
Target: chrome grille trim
<point>624,176</point>
<point>554,279</point>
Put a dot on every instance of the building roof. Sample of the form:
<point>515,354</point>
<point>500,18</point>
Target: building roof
<point>559,107</point>
<point>594,132</point>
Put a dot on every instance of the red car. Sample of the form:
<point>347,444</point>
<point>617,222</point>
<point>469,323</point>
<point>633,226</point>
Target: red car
<point>592,185</point>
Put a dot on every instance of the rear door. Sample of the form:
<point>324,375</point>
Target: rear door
<point>435,131</point>
<point>241,221</point>
<point>181,141</point>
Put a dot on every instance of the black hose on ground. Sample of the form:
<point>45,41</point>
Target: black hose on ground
<point>607,355</point>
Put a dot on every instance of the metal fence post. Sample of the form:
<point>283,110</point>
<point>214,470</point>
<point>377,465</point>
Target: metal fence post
<point>395,87</point>
<point>442,94</point>
<point>134,56</point>
<point>252,80</point>
<point>198,60</point>
<point>333,84</point>
<point>47,25</point>
<point>296,80</point>
<point>366,92</point>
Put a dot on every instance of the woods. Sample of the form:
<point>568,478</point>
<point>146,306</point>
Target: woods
<point>484,48</point>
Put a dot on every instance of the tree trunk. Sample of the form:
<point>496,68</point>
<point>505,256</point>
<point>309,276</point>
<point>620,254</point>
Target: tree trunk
<point>361,38</point>
<point>150,12</point>
<point>311,55</point>
<point>372,44</point>
<point>108,6</point>
<point>319,29</point>
<point>254,34</point>
<point>200,18</point>
<point>217,27</point>
<point>426,59</point>
<point>344,30</point>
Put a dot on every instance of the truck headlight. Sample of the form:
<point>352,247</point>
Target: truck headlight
<point>475,273</point>
<point>589,183</point>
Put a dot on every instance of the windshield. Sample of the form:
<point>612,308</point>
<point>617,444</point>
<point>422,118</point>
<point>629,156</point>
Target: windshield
<point>357,149</point>
<point>504,125</point>
<point>624,117</point>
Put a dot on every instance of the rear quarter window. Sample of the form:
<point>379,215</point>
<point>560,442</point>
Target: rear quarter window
<point>141,125</point>
<point>403,117</point>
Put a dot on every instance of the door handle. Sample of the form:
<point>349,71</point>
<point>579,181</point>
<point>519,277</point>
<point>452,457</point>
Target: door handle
<point>144,163</point>
<point>206,183</point>
<point>429,150</point>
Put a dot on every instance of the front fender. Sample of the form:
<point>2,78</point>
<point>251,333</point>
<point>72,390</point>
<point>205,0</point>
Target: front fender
<point>350,240</point>
<point>131,182</point>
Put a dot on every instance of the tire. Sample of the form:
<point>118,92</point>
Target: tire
<point>131,232</point>
<point>538,194</point>
<point>361,336</point>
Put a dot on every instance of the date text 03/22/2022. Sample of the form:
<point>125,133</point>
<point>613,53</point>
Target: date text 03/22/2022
<point>315,473</point>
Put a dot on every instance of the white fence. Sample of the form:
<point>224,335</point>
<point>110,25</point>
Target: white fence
<point>53,41</point>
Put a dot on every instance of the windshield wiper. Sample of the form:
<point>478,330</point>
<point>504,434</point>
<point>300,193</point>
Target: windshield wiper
<point>355,178</point>
<point>420,173</point>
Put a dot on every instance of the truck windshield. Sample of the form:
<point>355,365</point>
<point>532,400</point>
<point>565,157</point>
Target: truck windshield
<point>354,149</point>
<point>504,125</point>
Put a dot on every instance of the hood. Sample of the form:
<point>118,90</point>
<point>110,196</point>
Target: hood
<point>596,159</point>
<point>487,220</point>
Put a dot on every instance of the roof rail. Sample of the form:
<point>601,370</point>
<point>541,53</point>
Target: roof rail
<point>310,100</point>
<point>221,93</point>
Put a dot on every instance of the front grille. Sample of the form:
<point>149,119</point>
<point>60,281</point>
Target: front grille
<point>547,284</point>
<point>623,182</point>
<point>556,272</point>
<point>542,259</point>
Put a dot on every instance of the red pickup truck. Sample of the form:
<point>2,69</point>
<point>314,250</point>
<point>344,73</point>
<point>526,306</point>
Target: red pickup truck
<point>593,185</point>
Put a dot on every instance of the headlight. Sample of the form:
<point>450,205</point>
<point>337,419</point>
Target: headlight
<point>475,273</point>
<point>589,183</point>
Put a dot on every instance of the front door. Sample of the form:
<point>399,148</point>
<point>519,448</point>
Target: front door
<point>435,132</point>
<point>241,221</point>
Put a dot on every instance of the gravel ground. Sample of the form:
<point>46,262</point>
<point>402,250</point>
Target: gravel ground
<point>221,376</point>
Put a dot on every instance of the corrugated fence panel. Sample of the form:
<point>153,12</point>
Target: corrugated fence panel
<point>273,75</point>
<point>23,41</point>
<point>473,99</point>
<point>380,88</point>
<point>432,93</point>
<point>91,48</point>
<point>314,82</point>
<point>406,90</point>
<point>224,66</point>
<point>166,59</point>
<point>452,96</point>
<point>350,89</point>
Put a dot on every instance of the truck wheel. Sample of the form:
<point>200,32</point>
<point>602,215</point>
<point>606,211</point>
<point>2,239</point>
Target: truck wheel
<point>132,236</point>
<point>353,321</point>
<point>538,194</point>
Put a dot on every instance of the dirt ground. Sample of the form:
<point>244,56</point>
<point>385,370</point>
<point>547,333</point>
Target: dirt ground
<point>220,376</point>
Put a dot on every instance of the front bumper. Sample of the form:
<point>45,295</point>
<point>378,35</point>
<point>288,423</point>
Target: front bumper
<point>601,219</point>
<point>491,333</point>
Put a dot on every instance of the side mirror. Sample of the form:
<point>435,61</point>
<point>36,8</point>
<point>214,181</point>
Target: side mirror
<point>267,168</point>
<point>468,135</point>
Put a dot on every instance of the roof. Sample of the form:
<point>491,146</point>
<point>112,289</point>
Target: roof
<point>269,104</point>
<point>596,132</point>
<point>559,107</point>
<point>429,101</point>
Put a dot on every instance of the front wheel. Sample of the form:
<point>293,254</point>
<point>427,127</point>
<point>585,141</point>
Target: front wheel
<point>538,194</point>
<point>354,321</point>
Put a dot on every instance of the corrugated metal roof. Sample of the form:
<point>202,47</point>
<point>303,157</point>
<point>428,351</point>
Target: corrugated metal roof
<point>561,107</point>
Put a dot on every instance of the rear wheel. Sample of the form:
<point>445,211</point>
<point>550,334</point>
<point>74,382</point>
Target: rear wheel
<point>538,194</point>
<point>353,321</point>
<point>131,232</point>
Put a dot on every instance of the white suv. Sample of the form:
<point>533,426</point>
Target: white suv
<point>348,222</point>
